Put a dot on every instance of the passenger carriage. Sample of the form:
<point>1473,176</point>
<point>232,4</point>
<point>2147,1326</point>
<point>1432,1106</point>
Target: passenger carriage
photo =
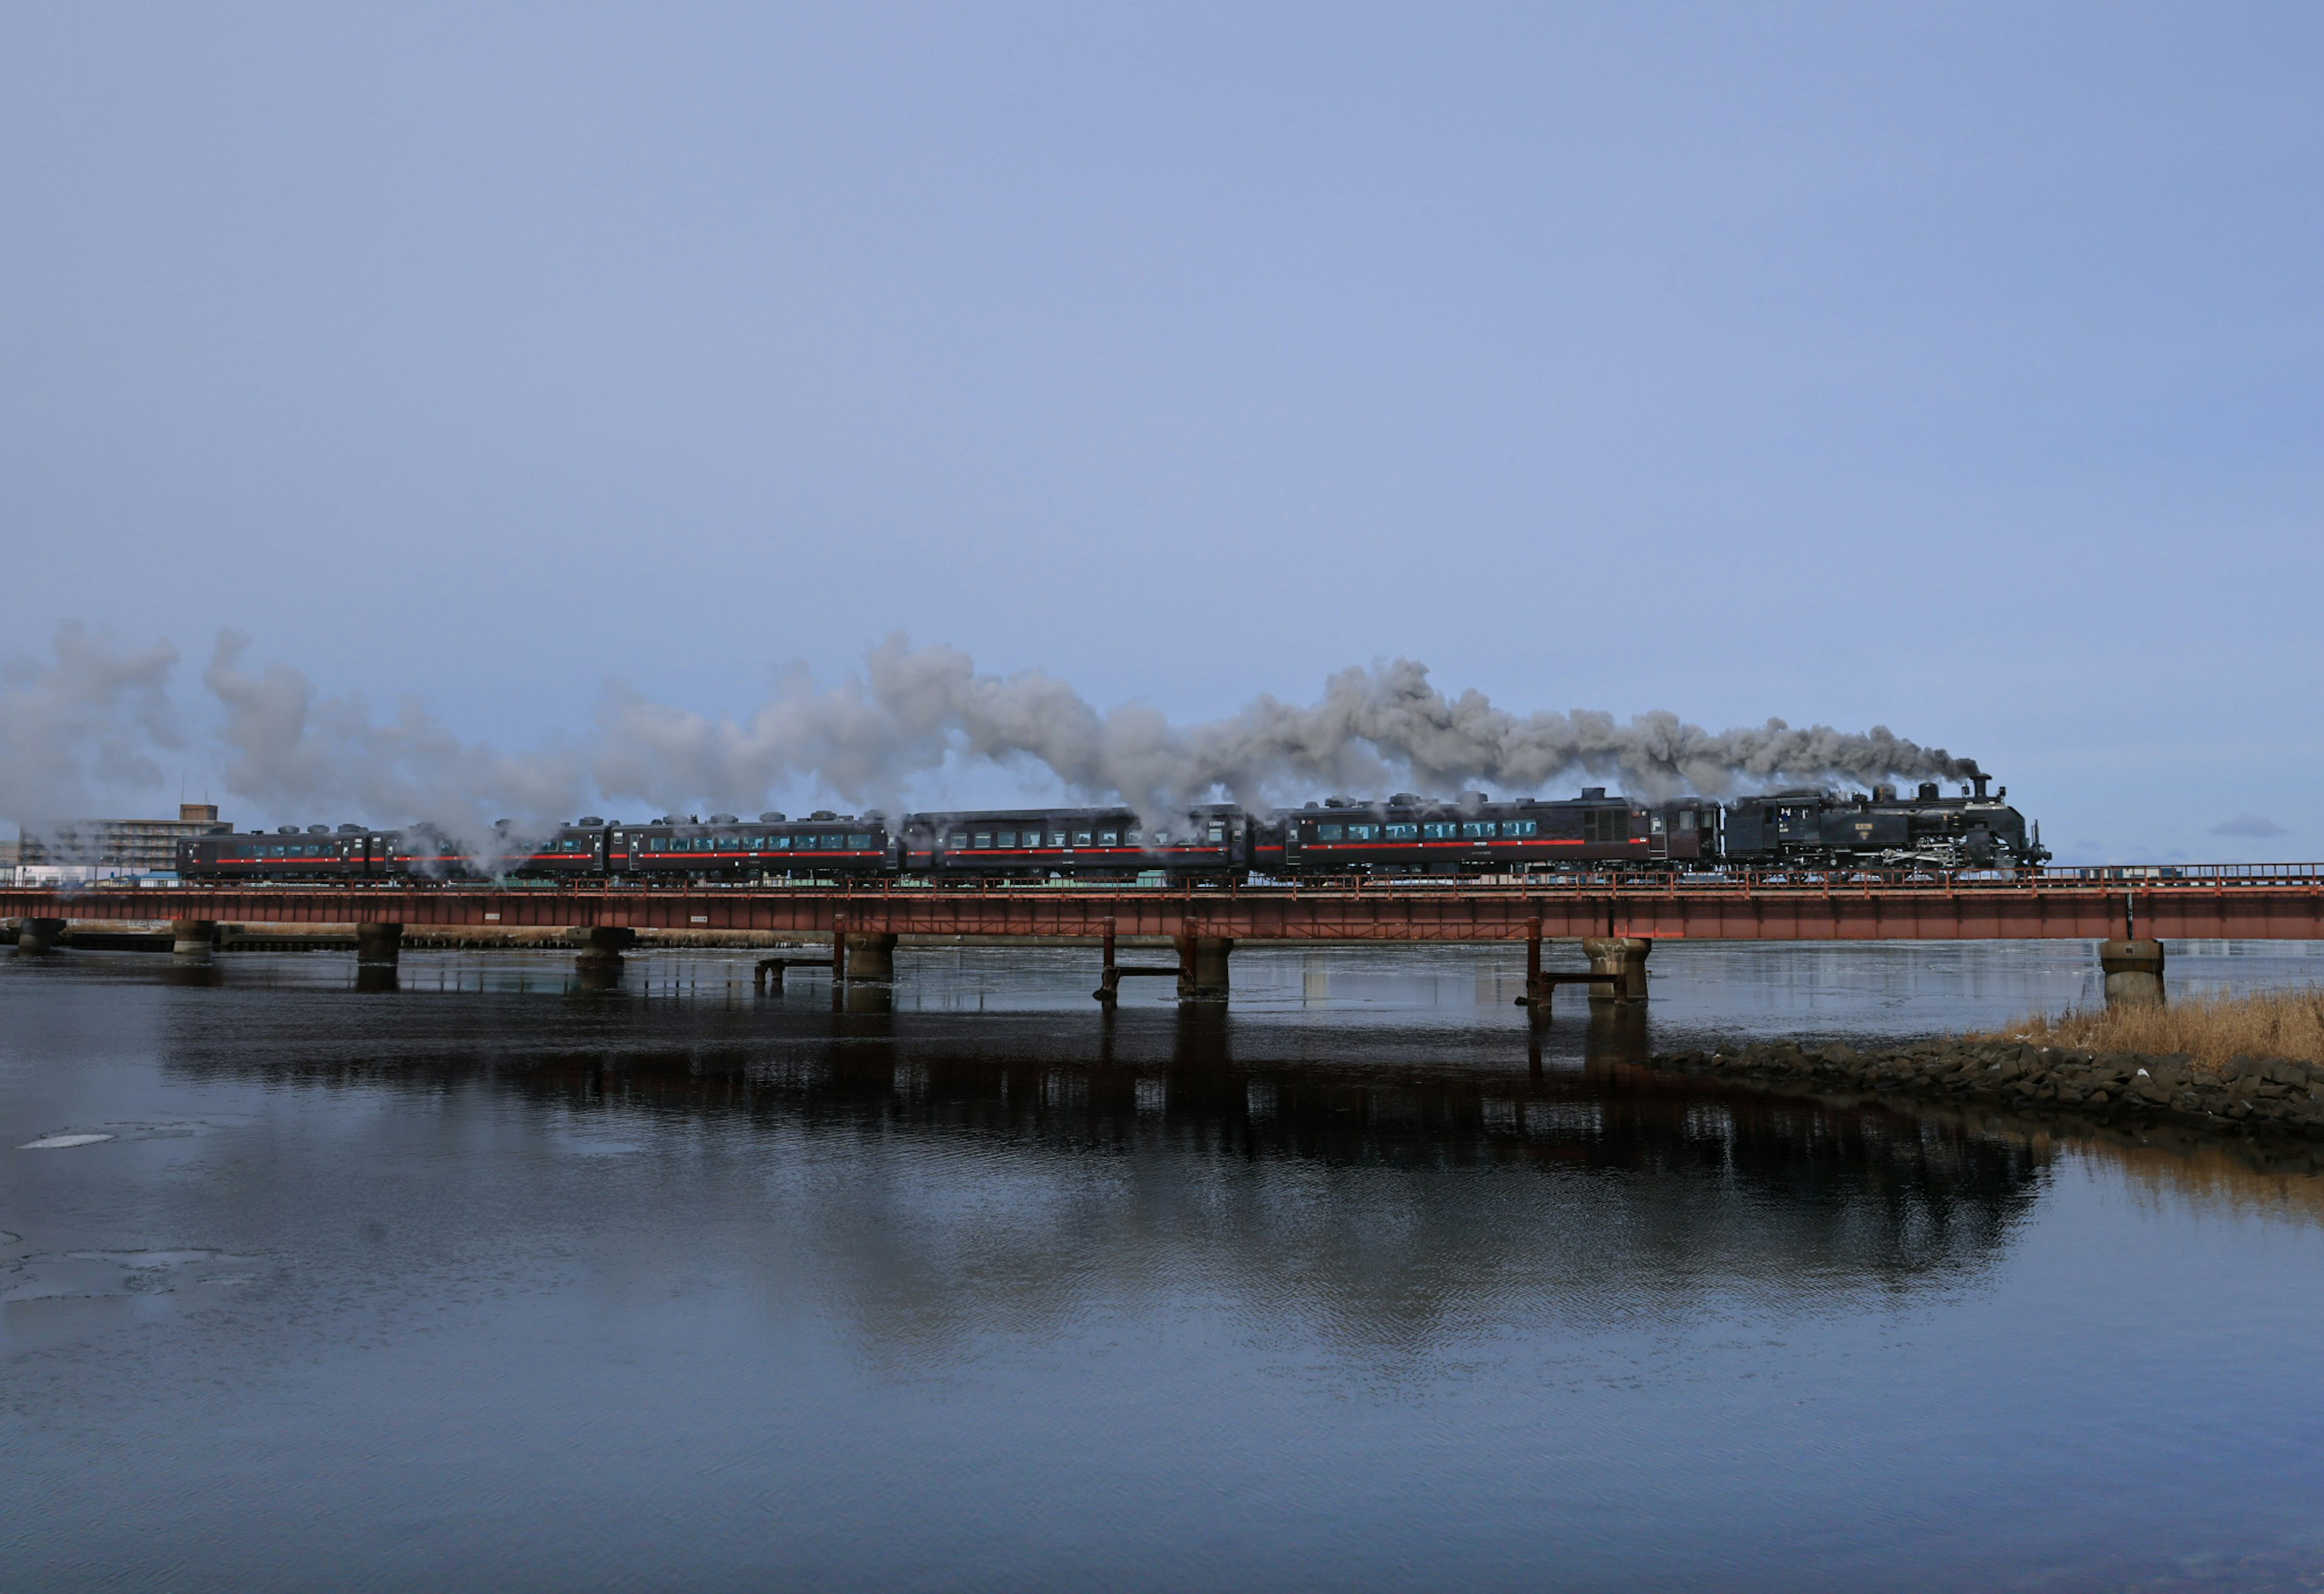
<point>1412,835</point>
<point>1211,841</point>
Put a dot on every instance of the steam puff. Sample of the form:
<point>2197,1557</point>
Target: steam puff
<point>90,716</point>
<point>291,752</point>
<point>94,716</point>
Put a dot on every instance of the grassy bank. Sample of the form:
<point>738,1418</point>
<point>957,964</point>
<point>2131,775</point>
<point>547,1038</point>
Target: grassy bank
<point>2210,1029</point>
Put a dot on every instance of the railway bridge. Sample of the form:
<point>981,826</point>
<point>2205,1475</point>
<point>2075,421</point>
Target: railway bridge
<point>1615,917</point>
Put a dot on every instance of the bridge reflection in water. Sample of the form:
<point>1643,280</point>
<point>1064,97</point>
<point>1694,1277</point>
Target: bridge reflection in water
<point>945,1175</point>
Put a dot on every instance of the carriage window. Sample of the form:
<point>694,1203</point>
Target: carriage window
<point>1403,832</point>
<point>1109,838</point>
<point>859,843</point>
<point>1686,821</point>
<point>782,843</point>
<point>1058,838</point>
<point>983,838</point>
<point>1080,839</point>
<point>1161,838</point>
<point>1218,831</point>
<point>1364,832</point>
<point>1659,826</point>
<point>1476,828</point>
<point>1439,830</point>
<point>1520,827</point>
<point>956,840</point>
<point>1006,839</point>
<point>1329,832</point>
<point>1136,839</point>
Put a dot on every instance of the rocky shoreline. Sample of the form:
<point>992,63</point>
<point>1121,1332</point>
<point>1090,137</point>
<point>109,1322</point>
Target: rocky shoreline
<point>2246,1094</point>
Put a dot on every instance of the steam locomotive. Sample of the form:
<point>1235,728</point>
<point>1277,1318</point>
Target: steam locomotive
<point>1405,835</point>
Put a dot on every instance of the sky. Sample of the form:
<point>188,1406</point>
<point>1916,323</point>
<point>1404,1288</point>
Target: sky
<point>1952,368</point>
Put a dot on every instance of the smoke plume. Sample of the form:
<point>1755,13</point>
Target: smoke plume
<point>96,717</point>
<point>90,717</point>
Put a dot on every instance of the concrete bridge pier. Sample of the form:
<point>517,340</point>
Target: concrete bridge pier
<point>1625,958</point>
<point>2134,972</point>
<point>37,936</point>
<point>602,945</point>
<point>1202,967</point>
<point>192,938</point>
<point>379,946</point>
<point>870,955</point>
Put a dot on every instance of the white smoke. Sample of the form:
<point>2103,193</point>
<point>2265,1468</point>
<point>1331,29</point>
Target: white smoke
<point>96,717</point>
<point>91,718</point>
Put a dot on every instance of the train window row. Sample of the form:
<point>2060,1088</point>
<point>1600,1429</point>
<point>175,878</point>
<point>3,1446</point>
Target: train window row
<point>973,841</point>
<point>835,841</point>
<point>1432,830</point>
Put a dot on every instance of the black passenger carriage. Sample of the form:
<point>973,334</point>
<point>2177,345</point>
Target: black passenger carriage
<point>1076,843</point>
<point>823,846</point>
<point>318,852</point>
<point>1413,835</point>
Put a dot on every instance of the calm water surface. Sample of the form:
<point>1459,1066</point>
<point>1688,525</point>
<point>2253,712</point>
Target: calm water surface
<point>492,1282</point>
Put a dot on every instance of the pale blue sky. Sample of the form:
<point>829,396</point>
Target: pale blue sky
<point>1951,367</point>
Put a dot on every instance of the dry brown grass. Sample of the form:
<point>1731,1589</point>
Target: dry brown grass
<point>2210,1028</point>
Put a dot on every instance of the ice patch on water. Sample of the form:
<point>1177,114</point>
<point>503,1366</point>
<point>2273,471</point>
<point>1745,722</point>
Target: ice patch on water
<point>98,1275</point>
<point>163,1129</point>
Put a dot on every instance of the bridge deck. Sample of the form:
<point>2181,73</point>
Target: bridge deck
<point>2285,903</point>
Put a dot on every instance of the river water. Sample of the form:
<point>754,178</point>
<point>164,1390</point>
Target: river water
<point>491,1282</point>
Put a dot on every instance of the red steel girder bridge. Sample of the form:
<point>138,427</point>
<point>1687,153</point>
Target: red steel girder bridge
<point>2239,901</point>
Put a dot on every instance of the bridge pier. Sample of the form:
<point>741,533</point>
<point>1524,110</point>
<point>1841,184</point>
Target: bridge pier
<point>602,945</point>
<point>1625,958</point>
<point>379,946</point>
<point>870,955</point>
<point>2134,972</point>
<point>1202,967</point>
<point>192,938</point>
<point>35,937</point>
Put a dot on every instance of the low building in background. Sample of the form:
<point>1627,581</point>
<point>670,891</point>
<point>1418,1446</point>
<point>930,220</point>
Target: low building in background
<point>58,851</point>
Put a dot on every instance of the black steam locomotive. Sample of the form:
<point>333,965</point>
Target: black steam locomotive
<point>1879,828</point>
<point>1405,835</point>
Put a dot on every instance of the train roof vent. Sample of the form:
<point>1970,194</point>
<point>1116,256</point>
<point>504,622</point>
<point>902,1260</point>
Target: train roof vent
<point>724,819</point>
<point>284,830</point>
<point>1312,803</point>
<point>590,821</point>
<point>667,818</point>
<point>823,813</point>
<point>318,830</point>
<point>771,818</point>
<point>1339,803</point>
<point>351,829</point>
<point>1405,799</point>
<point>1598,792</point>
